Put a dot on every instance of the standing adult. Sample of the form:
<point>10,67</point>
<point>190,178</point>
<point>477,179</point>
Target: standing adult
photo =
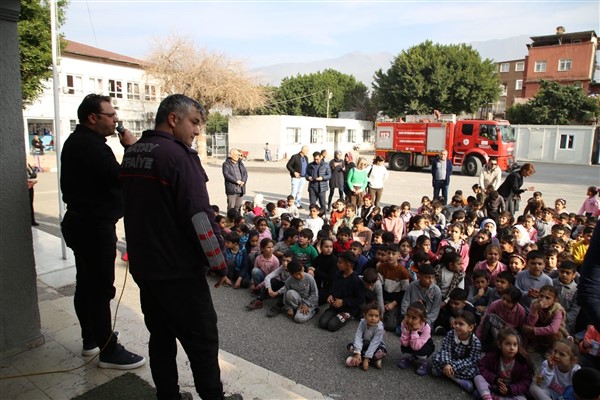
<point>441,171</point>
<point>236,176</point>
<point>337,177</point>
<point>490,175</point>
<point>166,258</point>
<point>511,190</point>
<point>89,182</point>
<point>348,166</point>
<point>31,181</point>
<point>357,182</point>
<point>377,177</point>
<point>318,174</point>
<point>296,165</point>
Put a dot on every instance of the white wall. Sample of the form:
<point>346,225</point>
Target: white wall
<point>542,143</point>
<point>250,133</point>
<point>127,109</point>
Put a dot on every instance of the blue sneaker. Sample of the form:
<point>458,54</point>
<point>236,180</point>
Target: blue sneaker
<point>121,359</point>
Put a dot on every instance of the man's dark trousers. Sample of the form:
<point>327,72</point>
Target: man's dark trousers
<point>181,309</point>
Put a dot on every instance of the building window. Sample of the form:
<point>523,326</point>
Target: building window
<point>150,92</point>
<point>74,84</point>
<point>519,84</point>
<point>503,91</point>
<point>367,136</point>
<point>520,66</point>
<point>351,135</point>
<point>540,66</point>
<point>96,85</point>
<point>566,142</point>
<point>564,64</point>
<point>72,124</point>
<point>316,135</point>
<point>133,91</point>
<point>467,129</point>
<point>115,89</point>
<point>293,135</point>
<point>504,67</point>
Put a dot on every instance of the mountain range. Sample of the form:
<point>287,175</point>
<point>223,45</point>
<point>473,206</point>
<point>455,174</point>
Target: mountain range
<point>363,65</point>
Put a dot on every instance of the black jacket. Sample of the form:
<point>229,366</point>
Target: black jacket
<point>89,178</point>
<point>294,164</point>
<point>229,173</point>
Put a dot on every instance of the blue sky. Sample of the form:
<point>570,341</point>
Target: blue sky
<point>261,33</point>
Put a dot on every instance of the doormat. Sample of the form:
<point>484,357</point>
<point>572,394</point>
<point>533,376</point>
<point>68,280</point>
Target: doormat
<point>128,386</point>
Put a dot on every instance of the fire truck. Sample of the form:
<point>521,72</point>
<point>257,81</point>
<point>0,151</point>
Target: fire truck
<point>414,142</point>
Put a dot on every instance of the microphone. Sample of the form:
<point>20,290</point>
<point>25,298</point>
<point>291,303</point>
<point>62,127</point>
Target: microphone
<point>120,128</point>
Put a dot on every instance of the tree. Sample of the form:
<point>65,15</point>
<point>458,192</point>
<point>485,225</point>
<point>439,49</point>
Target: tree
<point>556,104</point>
<point>427,77</point>
<point>217,123</point>
<point>208,77</point>
<point>35,45</point>
<point>307,95</point>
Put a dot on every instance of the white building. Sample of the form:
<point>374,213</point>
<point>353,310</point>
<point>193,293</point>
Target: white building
<point>561,144</point>
<point>286,134</point>
<point>83,70</point>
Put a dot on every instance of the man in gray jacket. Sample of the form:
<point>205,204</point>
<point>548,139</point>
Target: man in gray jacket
<point>236,176</point>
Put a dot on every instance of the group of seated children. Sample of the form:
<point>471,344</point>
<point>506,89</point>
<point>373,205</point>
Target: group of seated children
<point>481,282</point>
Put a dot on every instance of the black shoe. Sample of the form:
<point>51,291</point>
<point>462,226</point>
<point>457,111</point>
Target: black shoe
<point>275,310</point>
<point>121,359</point>
<point>91,348</point>
<point>33,223</point>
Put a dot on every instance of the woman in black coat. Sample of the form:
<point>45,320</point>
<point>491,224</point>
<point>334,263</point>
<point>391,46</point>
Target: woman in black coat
<point>348,165</point>
<point>511,190</point>
<point>337,177</point>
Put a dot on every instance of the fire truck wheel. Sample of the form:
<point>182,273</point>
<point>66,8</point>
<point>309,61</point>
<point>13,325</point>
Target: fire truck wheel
<point>472,166</point>
<point>399,162</point>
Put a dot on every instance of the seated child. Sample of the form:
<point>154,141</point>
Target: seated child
<point>252,246</point>
<point>314,222</point>
<point>304,251</point>
<point>237,262</point>
<point>459,354</point>
<point>492,262</point>
<point>580,248</point>
<point>567,292</point>
<point>346,220</point>
<point>506,372</point>
<point>424,244</point>
<point>426,291</point>
<point>362,234</point>
<point>508,245</point>
<point>273,287</point>
<point>324,268</point>
<point>372,289</point>
<point>551,263</point>
<point>346,296</point>
<point>479,292</point>
<point>375,243</point>
<point>381,255</point>
<point>291,208</point>
<point>394,278</point>
<point>449,273</point>
<point>590,348</point>
<point>339,212</point>
<point>264,264</point>
<point>221,220</point>
<point>301,295</point>
<point>290,237</point>
<point>457,303</point>
<point>503,313</point>
<point>368,346</point>
<point>516,264</point>
<point>546,320</point>
<point>530,280</point>
<point>344,240</point>
<point>357,248</point>
<point>416,342</point>
<point>504,280</point>
<point>557,372</point>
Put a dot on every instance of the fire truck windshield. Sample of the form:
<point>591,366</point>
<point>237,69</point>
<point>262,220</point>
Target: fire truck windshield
<point>507,133</point>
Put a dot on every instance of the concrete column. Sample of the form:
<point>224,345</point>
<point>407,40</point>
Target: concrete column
<point>19,312</point>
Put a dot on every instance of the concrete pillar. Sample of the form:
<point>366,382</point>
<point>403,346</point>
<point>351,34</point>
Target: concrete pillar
<point>19,312</point>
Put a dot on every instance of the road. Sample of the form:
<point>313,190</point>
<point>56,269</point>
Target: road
<point>305,353</point>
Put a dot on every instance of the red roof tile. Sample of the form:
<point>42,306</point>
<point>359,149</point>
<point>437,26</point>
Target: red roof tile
<point>93,52</point>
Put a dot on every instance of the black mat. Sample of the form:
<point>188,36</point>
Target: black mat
<point>127,386</point>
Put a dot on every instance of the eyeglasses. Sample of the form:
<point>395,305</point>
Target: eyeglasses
<point>109,115</point>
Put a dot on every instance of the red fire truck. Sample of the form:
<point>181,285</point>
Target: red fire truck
<point>470,143</point>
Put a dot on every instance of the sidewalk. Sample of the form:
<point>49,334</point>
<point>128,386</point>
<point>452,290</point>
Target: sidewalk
<point>62,348</point>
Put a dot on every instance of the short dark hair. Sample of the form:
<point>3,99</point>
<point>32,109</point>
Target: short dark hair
<point>481,273</point>
<point>370,306</point>
<point>357,244</point>
<point>387,237</point>
<point>91,104</point>
<point>535,254</point>
<point>294,266</point>
<point>514,293</point>
<point>180,105</point>
<point>570,265</point>
<point>233,237</point>
<point>307,233</point>
<point>370,275</point>
<point>349,257</point>
<point>458,294</point>
<point>467,316</point>
<point>507,276</point>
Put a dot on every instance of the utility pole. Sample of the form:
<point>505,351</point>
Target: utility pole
<point>329,96</point>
